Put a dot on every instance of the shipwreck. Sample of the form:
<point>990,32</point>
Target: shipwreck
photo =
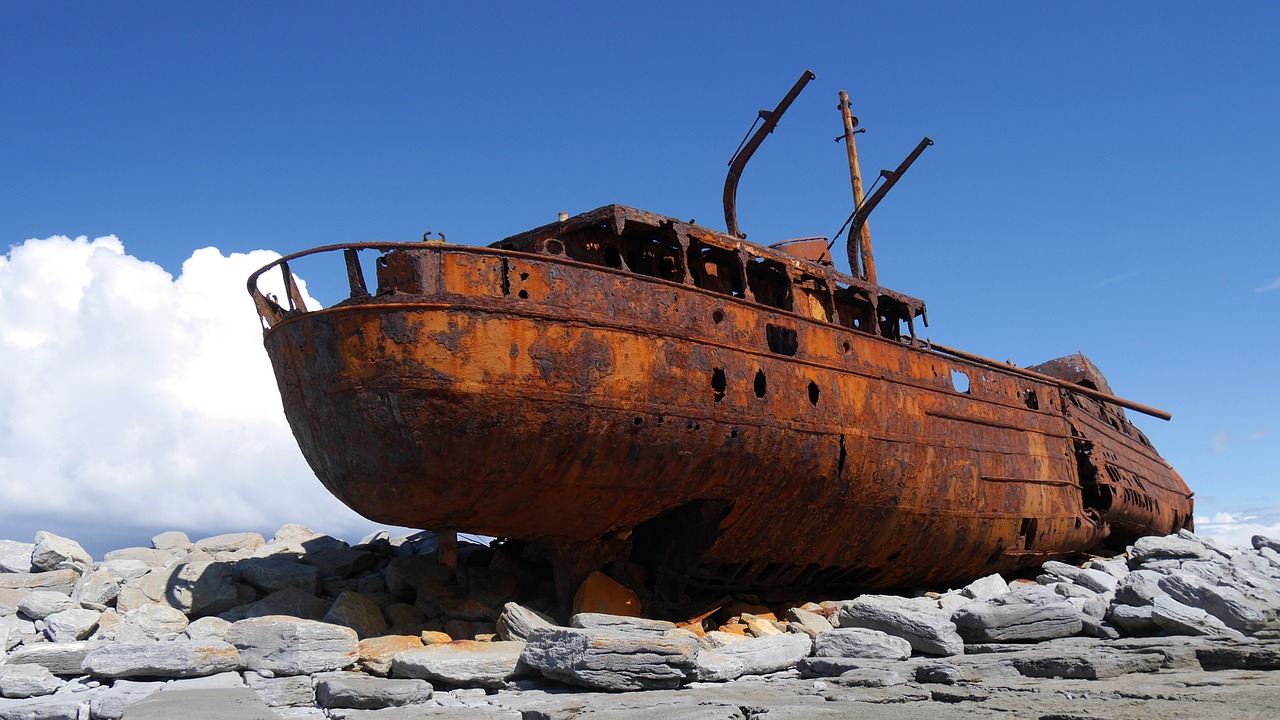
<point>622,389</point>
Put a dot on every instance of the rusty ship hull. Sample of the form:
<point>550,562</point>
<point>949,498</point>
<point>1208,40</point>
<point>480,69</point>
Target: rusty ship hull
<point>625,386</point>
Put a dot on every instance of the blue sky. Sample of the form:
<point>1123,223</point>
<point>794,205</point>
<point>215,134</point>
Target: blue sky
<point>1103,180</point>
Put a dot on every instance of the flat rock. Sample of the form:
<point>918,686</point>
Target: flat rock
<point>1017,616</point>
<point>63,581</point>
<point>376,654</point>
<point>207,628</point>
<point>58,658</point>
<point>171,659</point>
<point>293,603</point>
<point>517,621</point>
<point>54,552</point>
<point>27,680</point>
<point>39,604</point>
<point>289,646</point>
<point>1090,664</point>
<point>288,691</point>
<point>621,623</point>
<point>15,557</point>
<point>58,706</point>
<point>928,630</point>
<point>353,690</point>
<point>1133,620</point>
<point>111,703</point>
<point>1179,619</point>
<point>1225,603</point>
<point>273,574</point>
<point>204,703</point>
<point>71,625</point>
<point>808,622</point>
<point>171,540</point>
<point>157,622</point>
<point>870,678</point>
<point>230,543</point>
<point>611,659</point>
<point>1172,547</point>
<point>857,642</point>
<point>462,662</point>
<point>1095,580</point>
<point>759,656</point>
<point>151,557</point>
<point>357,612</point>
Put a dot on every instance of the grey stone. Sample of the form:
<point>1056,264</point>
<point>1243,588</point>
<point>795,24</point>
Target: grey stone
<point>207,628</point>
<point>289,646</point>
<point>1096,628</point>
<point>1150,548</point>
<point>758,656</point>
<point>985,587</point>
<point>58,658</point>
<point>815,666</point>
<point>612,659</point>
<point>202,588</point>
<point>1089,664</point>
<point>171,540</point>
<point>15,557</point>
<point>1140,587</point>
<point>1179,619</point>
<point>151,557</point>
<point>1095,580</point>
<point>856,642</point>
<point>810,623</point>
<point>716,639</point>
<point>870,678</point>
<point>293,603</point>
<point>602,621</point>
<point>1224,603</point>
<point>172,659</point>
<point>1116,567</point>
<point>58,706</point>
<point>1028,615</point>
<point>288,691</point>
<point>939,674</point>
<point>97,590</point>
<point>335,558</point>
<point>928,631</point>
<point>71,625</point>
<point>123,570</point>
<point>157,622</point>
<point>1262,541</point>
<point>1134,620</point>
<point>362,692</point>
<point>358,613</point>
<point>517,621</point>
<point>54,552</point>
<point>27,680</point>
<point>151,587</point>
<point>111,703</point>
<point>273,574</point>
<point>1238,656</point>
<point>63,581</point>
<point>1096,607</point>
<point>230,543</point>
<point>205,703</point>
<point>462,662</point>
<point>39,604</point>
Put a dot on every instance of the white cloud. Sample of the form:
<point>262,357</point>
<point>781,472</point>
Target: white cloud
<point>134,399</point>
<point>1219,442</point>
<point>1238,528</point>
<point>1273,285</point>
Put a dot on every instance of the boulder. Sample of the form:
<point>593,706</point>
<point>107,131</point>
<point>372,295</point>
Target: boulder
<point>207,628</point>
<point>293,603</point>
<point>603,621</point>
<point>216,703</point>
<point>928,630</point>
<point>97,590</point>
<point>151,587</point>
<point>1024,615</point>
<point>39,604</point>
<point>63,581</point>
<point>289,646</point>
<point>1138,588</point>
<point>273,574</point>
<point>808,622</point>
<point>376,653</point>
<point>174,659</point>
<point>1262,541</point>
<point>517,621</point>
<point>26,680</point>
<point>71,625</point>
<point>53,552</point>
<point>753,657</point>
<point>1096,580</point>
<point>200,588</point>
<point>857,642</point>
<point>601,594</point>
<point>718,639</point>
<point>358,613</point>
<point>110,703</point>
<point>1089,664</point>
<point>230,544</point>
<point>157,622</point>
<point>151,557</point>
<point>985,587</point>
<point>1133,620</point>
<point>288,691</point>
<point>462,662</point>
<point>15,557</point>
<point>171,540</point>
<point>611,659</point>
<point>1224,603</point>
<point>1179,619</point>
<point>361,692</point>
<point>58,658</point>
<point>1172,547</point>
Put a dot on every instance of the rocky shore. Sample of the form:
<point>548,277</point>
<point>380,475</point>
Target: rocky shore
<point>303,625</point>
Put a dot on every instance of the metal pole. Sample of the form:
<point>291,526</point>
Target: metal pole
<point>863,247</point>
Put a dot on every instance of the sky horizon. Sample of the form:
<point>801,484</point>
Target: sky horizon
<point>1101,182</point>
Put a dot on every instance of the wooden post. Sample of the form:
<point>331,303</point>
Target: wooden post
<point>863,247</point>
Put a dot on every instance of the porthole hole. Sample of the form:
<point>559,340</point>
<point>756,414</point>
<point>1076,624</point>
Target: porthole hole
<point>524,276</point>
<point>523,294</point>
<point>959,381</point>
<point>761,386</point>
<point>733,434</point>
<point>813,393</point>
<point>718,383</point>
<point>846,346</point>
<point>717,317</point>
<point>612,257</point>
<point>554,247</point>
<point>639,421</point>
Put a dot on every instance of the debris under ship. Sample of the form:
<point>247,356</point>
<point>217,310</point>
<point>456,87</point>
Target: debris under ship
<point>621,388</point>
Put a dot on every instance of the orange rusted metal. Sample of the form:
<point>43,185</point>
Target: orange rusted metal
<point>623,387</point>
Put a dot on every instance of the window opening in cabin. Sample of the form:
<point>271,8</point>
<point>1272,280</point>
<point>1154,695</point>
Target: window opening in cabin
<point>769,283</point>
<point>853,306</point>
<point>812,298</point>
<point>782,340</point>
<point>715,269</point>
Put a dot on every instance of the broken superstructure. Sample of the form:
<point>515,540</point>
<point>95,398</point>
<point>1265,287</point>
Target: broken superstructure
<point>622,388</point>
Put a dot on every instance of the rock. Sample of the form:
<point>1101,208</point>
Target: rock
<point>375,654</point>
<point>870,678</point>
<point>200,588</point>
<point>286,602</point>
<point>1095,580</point>
<point>717,639</point>
<point>207,628</point>
<point>358,613</point>
<point>517,621</point>
<point>150,557</point>
<point>71,625</point>
<point>273,574</point>
<point>15,557</point>
<point>353,690</point>
<point>939,674</point>
<point>58,706</point>
<point>152,587</point>
<point>403,614</point>
<point>39,604</point>
<point>171,540</point>
<point>612,660</point>
<point>815,666</point>
<point>1179,619</point>
<point>1238,656</point>
<point>125,569</point>
<point>230,543</point>
<point>810,623</point>
<point>97,590</point>
<point>111,703</point>
<point>157,622</point>
<point>1224,603</point>
<point>230,703</point>
<point>53,552</point>
<point>949,602</point>
<point>986,587</point>
<point>58,658</point>
<point>928,631</point>
<point>602,621</point>
<point>1116,567</point>
<point>63,581</point>
<point>27,680</point>
<point>601,594</point>
<point>9,599</point>
<point>467,630</point>
<point>762,626</point>
<point>753,657</point>
<point>1134,620</point>
<point>1259,542</point>
<point>434,637</point>
<point>1147,549</point>
<point>857,642</point>
<point>173,659</point>
<point>1138,588</point>
<point>289,646</point>
<point>1090,664</point>
<point>461,662</point>
<point>1024,615</point>
<point>289,691</point>
<point>416,575</point>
